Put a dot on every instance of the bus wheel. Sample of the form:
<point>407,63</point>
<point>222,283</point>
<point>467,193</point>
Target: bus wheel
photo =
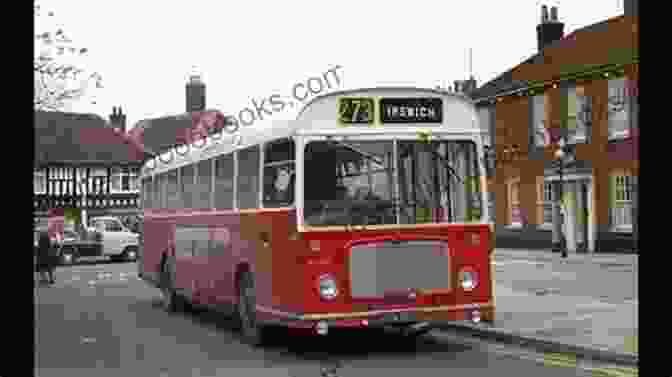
<point>171,301</point>
<point>253,333</point>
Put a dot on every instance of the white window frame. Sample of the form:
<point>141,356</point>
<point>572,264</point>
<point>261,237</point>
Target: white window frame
<point>98,172</point>
<point>544,197</point>
<point>575,93</point>
<point>40,175</point>
<point>511,202</point>
<point>540,109</point>
<point>82,182</point>
<point>614,93</point>
<point>119,172</point>
<point>623,185</point>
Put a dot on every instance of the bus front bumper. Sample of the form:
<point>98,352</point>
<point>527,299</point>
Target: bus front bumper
<point>410,320</point>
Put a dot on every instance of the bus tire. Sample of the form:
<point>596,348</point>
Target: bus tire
<point>253,333</point>
<point>170,300</point>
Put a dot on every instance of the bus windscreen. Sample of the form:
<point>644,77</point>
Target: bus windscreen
<point>360,183</point>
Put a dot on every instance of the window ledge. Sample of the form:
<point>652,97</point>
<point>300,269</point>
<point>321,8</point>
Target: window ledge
<point>545,226</point>
<point>514,226</point>
<point>622,229</point>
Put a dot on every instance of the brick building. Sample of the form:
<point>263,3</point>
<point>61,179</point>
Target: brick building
<point>582,87</point>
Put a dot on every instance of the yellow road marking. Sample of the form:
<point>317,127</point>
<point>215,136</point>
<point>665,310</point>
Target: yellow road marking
<point>632,344</point>
<point>559,359</point>
<point>614,372</point>
<point>569,361</point>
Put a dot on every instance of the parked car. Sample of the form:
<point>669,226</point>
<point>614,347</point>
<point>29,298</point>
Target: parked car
<point>118,242</point>
<point>66,252</point>
<point>105,237</point>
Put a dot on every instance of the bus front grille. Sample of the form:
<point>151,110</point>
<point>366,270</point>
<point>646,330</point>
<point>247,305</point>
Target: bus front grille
<point>384,267</point>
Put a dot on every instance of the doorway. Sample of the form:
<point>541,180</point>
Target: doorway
<point>578,228</point>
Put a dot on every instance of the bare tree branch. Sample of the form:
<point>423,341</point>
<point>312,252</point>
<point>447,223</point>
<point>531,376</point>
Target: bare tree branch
<point>57,81</point>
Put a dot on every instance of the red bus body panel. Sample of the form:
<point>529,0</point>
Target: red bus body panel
<point>286,267</point>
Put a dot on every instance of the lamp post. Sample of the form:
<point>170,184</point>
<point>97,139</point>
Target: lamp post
<point>564,155</point>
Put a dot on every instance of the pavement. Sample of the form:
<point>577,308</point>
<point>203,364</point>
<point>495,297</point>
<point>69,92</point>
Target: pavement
<point>584,306</point>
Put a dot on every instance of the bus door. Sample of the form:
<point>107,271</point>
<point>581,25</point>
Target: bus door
<point>221,265</point>
<point>203,274</point>
<point>186,266</point>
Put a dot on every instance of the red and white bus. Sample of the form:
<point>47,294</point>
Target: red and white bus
<point>366,211</point>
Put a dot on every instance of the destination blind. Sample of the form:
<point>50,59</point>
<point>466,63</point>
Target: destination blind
<point>411,110</point>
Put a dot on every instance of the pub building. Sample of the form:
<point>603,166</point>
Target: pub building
<point>579,89</point>
<point>82,162</point>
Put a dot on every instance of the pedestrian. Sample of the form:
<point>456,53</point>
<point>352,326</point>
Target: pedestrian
<point>45,258</point>
<point>54,256</point>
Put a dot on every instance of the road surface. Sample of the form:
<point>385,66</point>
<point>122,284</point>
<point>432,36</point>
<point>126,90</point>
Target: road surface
<point>101,320</point>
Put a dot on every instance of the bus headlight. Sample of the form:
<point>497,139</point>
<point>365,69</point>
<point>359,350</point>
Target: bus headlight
<point>327,287</point>
<point>468,279</point>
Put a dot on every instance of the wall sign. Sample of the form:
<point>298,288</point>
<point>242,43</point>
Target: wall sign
<point>411,110</point>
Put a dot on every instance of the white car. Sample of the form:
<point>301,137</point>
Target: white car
<point>117,241</point>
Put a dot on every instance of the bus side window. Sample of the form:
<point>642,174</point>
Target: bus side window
<point>172,190</point>
<point>224,182</point>
<point>248,178</point>
<point>203,185</point>
<point>154,191</point>
<point>163,190</point>
<point>157,191</point>
<point>187,186</point>
<point>279,175</point>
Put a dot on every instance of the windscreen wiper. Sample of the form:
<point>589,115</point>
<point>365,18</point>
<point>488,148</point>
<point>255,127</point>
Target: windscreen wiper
<point>445,162</point>
<point>451,169</point>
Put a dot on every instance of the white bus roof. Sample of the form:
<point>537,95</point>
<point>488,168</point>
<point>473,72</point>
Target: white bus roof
<point>318,117</point>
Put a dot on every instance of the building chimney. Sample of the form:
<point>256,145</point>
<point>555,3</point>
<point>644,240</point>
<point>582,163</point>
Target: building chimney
<point>118,119</point>
<point>631,8</point>
<point>554,14</point>
<point>550,29</point>
<point>195,93</point>
<point>465,86</point>
<point>470,85</point>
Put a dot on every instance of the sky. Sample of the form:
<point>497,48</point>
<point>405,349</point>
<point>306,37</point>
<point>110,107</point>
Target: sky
<point>249,50</point>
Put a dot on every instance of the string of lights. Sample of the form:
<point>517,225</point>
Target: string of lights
<point>532,88</point>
